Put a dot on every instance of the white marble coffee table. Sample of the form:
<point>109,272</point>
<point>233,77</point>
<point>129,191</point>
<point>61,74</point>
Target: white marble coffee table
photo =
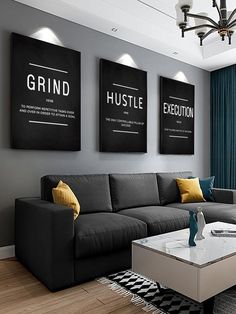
<point>199,272</point>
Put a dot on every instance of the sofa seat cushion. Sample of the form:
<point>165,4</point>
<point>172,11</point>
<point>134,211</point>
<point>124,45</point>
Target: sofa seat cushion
<point>100,233</point>
<point>212,211</point>
<point>159,219</point>
<point>220,212</point>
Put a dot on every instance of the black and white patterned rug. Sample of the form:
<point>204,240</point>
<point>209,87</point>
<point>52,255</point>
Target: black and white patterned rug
<point>145,293</point>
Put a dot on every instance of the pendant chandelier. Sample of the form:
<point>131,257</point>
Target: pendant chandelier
<point>204,25</point>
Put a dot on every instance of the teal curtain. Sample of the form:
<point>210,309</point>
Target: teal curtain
<point>223,127</point>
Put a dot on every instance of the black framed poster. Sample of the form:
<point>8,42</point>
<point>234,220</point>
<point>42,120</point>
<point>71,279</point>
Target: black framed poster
<point>45,95</point>
<point>123,108</point>
<point>176,117</point>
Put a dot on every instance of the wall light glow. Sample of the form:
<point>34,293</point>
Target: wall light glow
<point>126,59</point>
<point>180,76</point>
<point>46,34</point>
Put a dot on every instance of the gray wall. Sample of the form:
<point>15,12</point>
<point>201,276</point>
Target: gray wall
<point>20,170</point>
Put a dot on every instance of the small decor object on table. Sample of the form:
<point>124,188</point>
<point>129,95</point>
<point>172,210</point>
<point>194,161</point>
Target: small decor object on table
<point>193,228</point>
<point>201,224</point>
<point>223,233</point>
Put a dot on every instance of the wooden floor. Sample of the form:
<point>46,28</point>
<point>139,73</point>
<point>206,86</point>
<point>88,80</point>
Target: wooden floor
<point>20,292</point>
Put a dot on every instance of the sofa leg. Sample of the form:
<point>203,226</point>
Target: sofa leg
<point>162,289</point>
<point>208,306</point>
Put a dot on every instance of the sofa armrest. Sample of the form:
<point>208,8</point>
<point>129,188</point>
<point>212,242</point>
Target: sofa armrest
<point>44,240</point>
<point>227,196</point>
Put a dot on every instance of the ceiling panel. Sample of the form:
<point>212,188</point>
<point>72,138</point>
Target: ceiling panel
<point>147,23</point>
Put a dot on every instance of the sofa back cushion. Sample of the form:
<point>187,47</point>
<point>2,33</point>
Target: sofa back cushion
<point>168,188</point>
<point>92,191</point>
<point>133,190</point>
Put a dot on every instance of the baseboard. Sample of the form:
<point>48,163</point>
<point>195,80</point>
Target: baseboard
<point>7,251</point>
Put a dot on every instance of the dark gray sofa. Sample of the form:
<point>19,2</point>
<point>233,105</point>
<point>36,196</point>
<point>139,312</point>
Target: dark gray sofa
<point>115,209</point>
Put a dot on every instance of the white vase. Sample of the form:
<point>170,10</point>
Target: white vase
<point>201,224</point>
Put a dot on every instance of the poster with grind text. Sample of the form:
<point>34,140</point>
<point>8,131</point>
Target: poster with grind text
<point>45,95</point>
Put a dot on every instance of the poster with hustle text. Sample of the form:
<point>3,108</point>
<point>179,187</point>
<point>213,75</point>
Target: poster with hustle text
<point>123,108</point>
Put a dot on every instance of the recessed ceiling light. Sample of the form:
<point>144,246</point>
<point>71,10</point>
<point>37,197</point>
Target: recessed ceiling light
<point>114,29</point>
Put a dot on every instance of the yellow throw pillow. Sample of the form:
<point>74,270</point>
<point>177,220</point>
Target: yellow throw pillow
<point>190,190</point>
<point>63,195</point>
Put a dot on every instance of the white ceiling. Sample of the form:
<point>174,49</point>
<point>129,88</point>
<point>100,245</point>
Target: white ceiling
<point>147,23</point>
